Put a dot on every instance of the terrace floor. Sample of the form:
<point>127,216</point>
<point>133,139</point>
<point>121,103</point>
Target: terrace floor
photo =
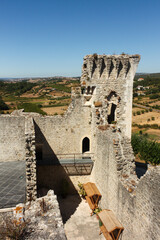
<point>12,183</point>
<point>79,225</point>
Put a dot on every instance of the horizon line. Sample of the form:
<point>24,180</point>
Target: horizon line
<point>59,76</point>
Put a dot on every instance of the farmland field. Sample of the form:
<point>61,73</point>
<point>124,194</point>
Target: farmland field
<point>48,96</point>
<point>146,119</point>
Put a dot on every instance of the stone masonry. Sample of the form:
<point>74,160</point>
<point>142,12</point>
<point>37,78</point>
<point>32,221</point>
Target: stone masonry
<point>42,218</point>
<point>101,112</point>
<point>31,186</point>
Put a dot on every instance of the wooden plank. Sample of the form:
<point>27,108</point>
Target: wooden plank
<point>88,189</point>
<point>92,206</point>
<point>105,233</point>
<point>109,220</point>
<point>115,220</point>
<point>91,189</point>
<point>95,189</point>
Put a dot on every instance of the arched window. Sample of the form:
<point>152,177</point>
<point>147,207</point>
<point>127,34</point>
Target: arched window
<point>85,145</point>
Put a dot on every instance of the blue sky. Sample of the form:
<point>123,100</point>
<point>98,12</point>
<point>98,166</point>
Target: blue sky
<point>51,37</point>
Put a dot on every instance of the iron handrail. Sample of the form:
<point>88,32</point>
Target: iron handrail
<point>73,155</point>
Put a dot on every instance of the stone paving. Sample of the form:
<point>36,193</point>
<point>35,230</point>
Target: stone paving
<point>12,183</point>
<point>80,225</point>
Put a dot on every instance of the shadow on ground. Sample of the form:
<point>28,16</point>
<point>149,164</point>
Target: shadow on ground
<point>52,175</point>
<point>68,205</point>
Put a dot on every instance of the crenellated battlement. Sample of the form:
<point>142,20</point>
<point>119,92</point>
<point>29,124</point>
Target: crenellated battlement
<point>108,66</point>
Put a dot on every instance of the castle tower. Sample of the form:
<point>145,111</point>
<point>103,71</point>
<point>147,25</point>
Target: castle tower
<point>107,86</point>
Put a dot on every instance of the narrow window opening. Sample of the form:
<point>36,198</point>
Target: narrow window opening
<point>111,117</point>
<point>85,145</point>
<point>83,90</point>
<point>93,89</point>
<point>88,90</point>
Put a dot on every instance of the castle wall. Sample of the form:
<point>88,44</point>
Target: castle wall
<point>137,208</point>
<point>64,134</point>
<point>58,135</point>
<point>12,138</point>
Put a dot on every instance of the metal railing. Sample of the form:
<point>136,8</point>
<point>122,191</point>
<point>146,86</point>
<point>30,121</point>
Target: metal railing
<point>76,156</point>
<point>68,158</point>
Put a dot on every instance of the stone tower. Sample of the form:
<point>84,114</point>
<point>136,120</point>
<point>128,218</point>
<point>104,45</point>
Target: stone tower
<point>107,86</point>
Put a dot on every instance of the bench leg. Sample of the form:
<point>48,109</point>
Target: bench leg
<point>92,213</point>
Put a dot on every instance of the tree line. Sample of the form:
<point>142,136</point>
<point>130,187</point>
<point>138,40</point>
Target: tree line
<point>3,105</point>
<point>147,150</point>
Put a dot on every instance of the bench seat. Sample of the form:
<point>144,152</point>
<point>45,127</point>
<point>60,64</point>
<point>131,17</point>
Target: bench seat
<point>92,206</point>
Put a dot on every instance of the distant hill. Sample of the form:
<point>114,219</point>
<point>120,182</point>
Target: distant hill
<point>35,79</point>
<point>144,75</point>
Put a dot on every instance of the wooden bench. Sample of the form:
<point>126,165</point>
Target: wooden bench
<point>93,195</point>
<point>105,233</point>
<point>92,206</point>
<point>111,227</point>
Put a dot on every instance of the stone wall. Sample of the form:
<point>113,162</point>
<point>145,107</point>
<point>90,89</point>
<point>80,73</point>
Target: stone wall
<point>54,177</point>
<point>135,202</point>
<point>147,207</point>
<point>64,134</point>
<point>45,224</point>
<point>58,136</point>
<point>12,138</point>
<point>31,178</point>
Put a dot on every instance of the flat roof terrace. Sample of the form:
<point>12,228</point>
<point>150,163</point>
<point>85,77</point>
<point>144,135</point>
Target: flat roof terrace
<point>12,183</point>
